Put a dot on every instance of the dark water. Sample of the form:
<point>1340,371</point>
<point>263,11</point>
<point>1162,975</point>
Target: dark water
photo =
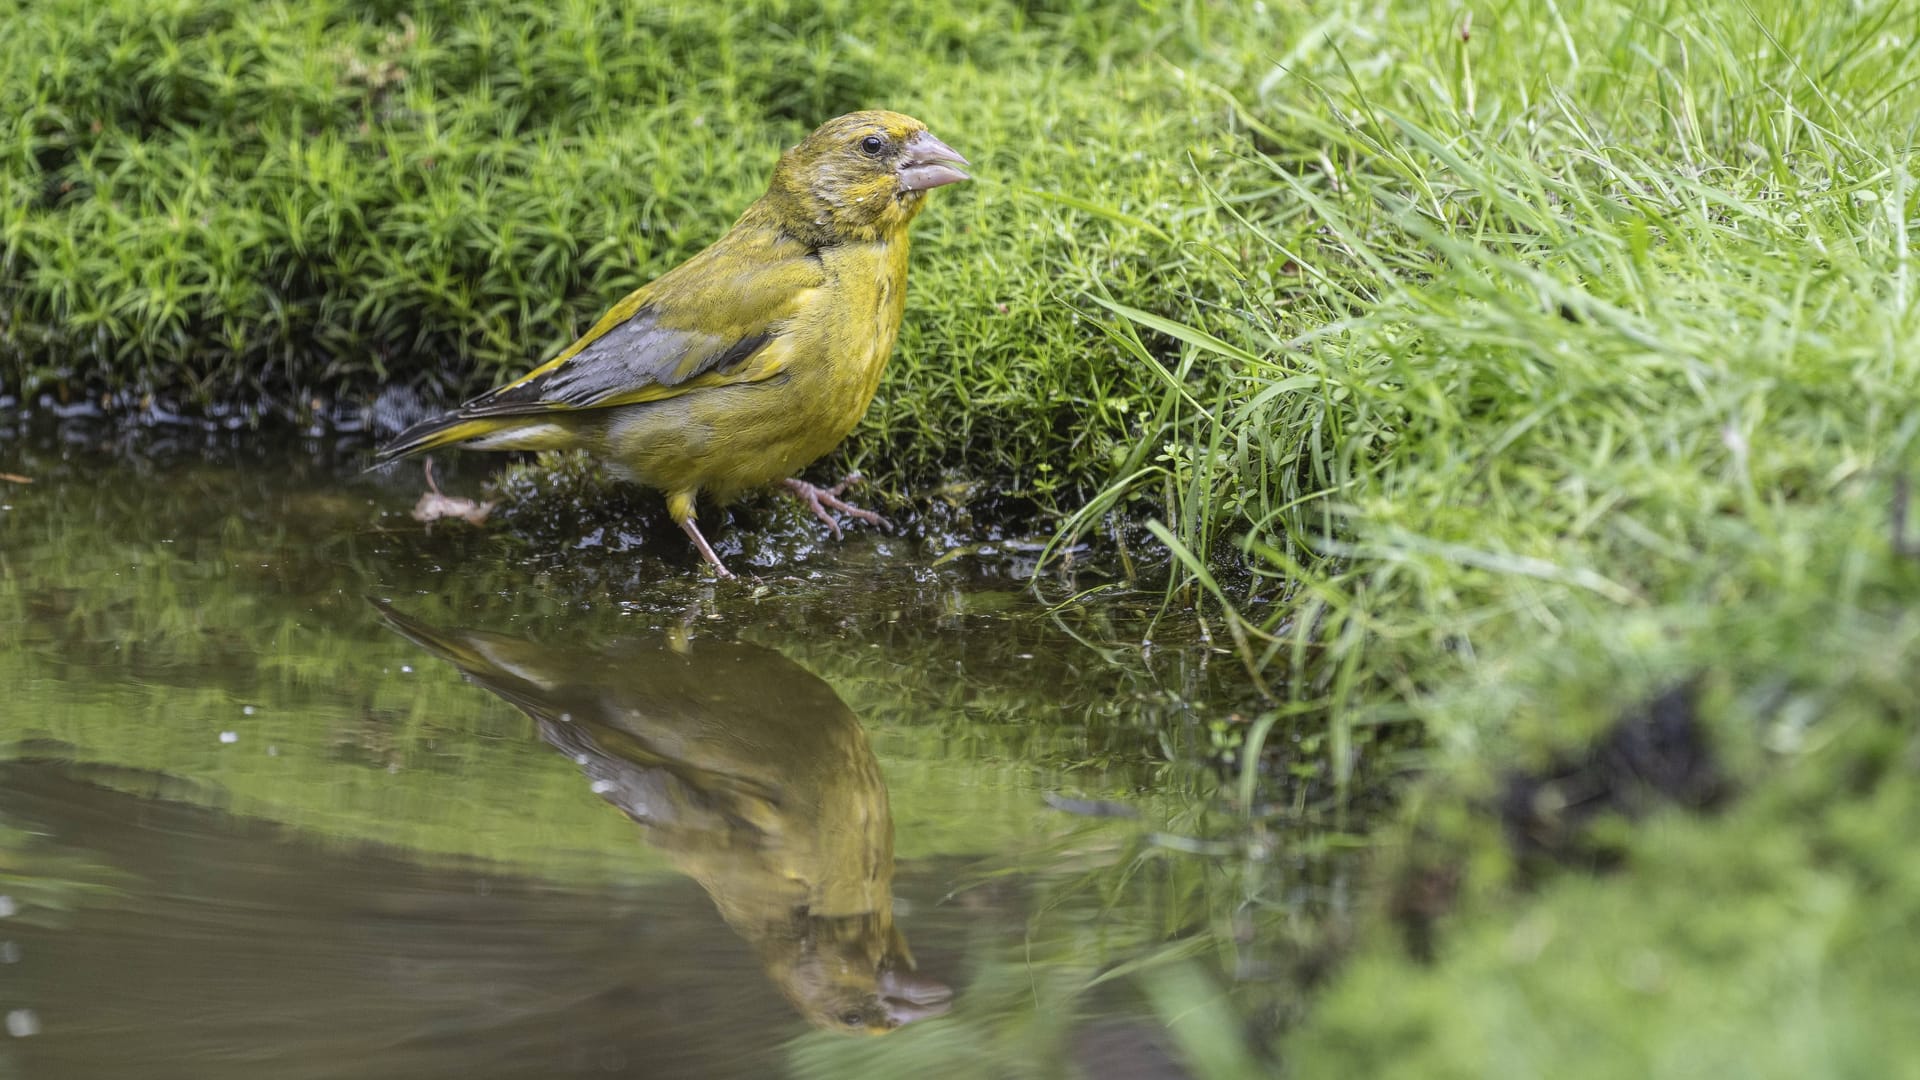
<point>293,786</point>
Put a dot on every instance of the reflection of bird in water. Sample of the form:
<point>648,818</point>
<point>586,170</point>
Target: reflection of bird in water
<point>754,777</point>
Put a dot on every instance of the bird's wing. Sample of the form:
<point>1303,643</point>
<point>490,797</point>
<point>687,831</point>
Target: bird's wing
<point>711,321</point>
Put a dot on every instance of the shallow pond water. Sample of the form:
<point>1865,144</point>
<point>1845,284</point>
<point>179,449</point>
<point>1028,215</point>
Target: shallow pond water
<point>294,786</point>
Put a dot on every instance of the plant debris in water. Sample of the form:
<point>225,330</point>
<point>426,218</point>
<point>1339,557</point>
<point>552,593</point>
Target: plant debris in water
<point>434,505</point>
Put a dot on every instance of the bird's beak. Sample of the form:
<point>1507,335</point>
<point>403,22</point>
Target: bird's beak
<point>929,163</point>
<point>909,996</point>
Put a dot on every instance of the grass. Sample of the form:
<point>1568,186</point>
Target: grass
<point>1764,943</point>
<point>1623,338</point>
<point>1575,354</point>
<point>1620,361</point>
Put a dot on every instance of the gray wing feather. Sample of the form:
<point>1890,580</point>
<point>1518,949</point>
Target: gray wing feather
<point>636,353</point>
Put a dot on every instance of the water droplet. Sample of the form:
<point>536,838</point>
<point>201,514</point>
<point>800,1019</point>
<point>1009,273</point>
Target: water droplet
<point>246,710</point>
<point>406,669</point>
<point>7,906</point>
<point>601,787</point>
<point>229,736</point>
<point>9,952</point>
<point>22,1023</point>
<point>566,718</point>
<point>273,751</point>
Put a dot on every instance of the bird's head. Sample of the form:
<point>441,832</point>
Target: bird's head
<point>861,177</point>
<point>852,974</point>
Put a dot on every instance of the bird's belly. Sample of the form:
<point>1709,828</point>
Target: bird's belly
<point>729,439</point>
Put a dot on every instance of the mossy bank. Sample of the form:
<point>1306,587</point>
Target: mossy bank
<point>299,207</point>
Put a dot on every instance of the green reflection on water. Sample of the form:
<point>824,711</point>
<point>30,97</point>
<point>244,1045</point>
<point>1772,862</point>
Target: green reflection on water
<point>197,635</point>
<point>209,622</point>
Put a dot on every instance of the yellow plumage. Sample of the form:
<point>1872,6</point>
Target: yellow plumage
<point>750,360</point>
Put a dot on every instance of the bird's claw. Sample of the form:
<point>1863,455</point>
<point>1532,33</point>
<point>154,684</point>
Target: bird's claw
<point>820,500</point>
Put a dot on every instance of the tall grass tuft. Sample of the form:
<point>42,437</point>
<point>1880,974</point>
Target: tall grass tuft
<point>1548,327</point>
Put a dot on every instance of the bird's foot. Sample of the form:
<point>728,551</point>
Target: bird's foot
<point>820,500</point>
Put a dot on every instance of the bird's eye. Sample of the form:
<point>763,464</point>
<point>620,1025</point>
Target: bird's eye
<point>852,1019</point>
<point>873,144</point>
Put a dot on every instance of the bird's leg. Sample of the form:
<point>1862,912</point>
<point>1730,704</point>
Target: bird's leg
<point>706,549</point>
<point>820,500</point>
<point>680,508</point>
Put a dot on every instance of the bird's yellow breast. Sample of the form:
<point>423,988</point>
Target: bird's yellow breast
<point>873,283</point>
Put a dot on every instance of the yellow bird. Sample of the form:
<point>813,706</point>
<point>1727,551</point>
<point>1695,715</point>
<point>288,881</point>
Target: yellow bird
<point>753,358</point>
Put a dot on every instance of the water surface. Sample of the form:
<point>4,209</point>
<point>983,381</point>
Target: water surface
<point>294,786</point>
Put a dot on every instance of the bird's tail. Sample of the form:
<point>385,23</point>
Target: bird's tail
<point>509,432</point>
<point>451,645</point>
<point>519,671</point>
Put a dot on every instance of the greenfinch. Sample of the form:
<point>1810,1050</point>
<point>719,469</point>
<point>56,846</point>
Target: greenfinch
<point>753,777</point>
<point>754,357</point>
